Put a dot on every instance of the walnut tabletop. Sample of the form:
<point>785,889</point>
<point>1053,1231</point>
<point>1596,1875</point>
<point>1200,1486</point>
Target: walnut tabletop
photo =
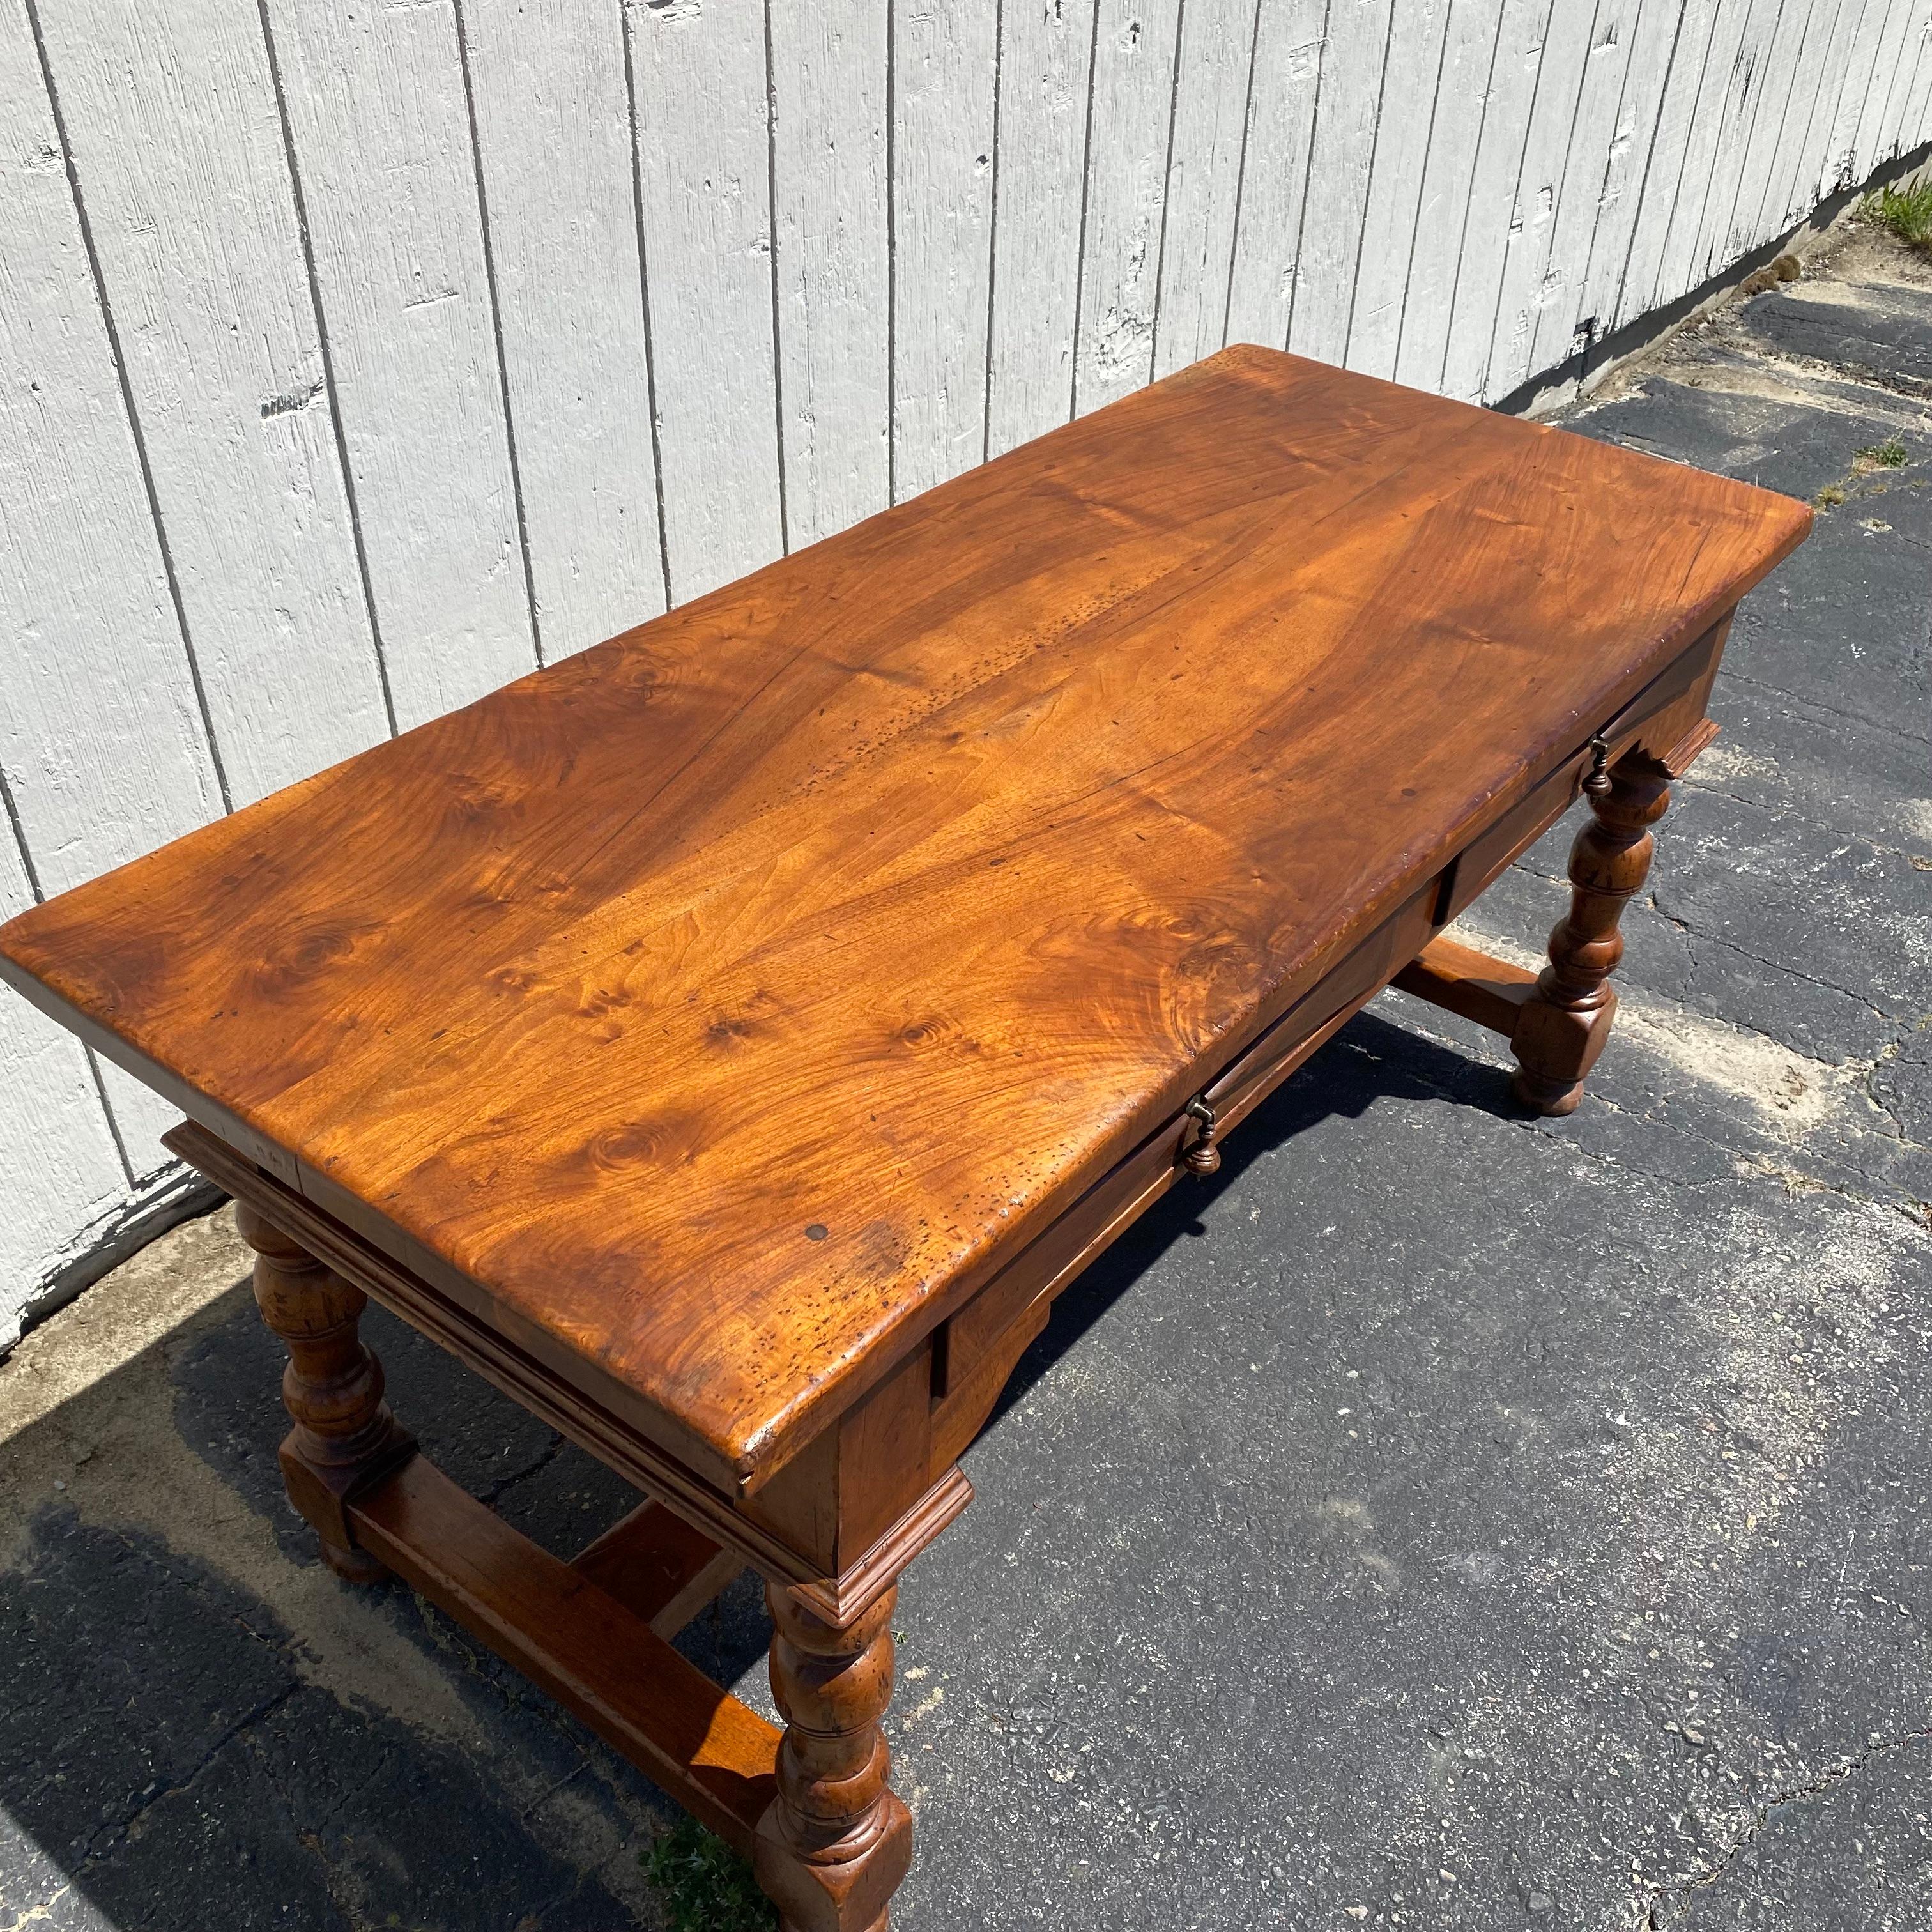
<point>722,1004</point>
<point>730,1040</point>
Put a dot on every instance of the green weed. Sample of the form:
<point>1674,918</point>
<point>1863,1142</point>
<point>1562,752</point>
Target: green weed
<point>1889,454</point>
<point>1907,212</point>
<point>706,1886</point>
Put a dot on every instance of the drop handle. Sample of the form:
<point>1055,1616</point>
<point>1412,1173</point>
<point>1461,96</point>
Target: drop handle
<point>1202,1156</point>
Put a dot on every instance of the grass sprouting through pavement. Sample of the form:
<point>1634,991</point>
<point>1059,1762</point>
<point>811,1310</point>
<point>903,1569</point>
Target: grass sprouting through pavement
<point>706,1886</point>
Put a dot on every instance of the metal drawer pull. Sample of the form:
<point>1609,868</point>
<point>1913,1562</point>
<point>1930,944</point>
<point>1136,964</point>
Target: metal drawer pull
<point>1202,1157</point>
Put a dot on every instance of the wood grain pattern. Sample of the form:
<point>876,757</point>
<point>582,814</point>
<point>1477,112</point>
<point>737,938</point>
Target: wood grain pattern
<point>1045,69</point>
<point>1584,189</point>
<point>1776,57</point>
<point>802,1550</point>
<point>1887,40</point>
<point>658,1567</point>
<point>1677,268</point>
<point>344,1435</point>
<point>1892,59</point>
<point>1664,163</point>
<point>1861,63</point>
<point>1560,1030</point>
<point>749,985</point>
<point>1211,94</point>
<point>1636,140</point>
<point>1493,221</point>
<point>1737,107</point>
<point>1462,980</point>
<point>714,1755</point>
<point>1564,62</point>
<point>837,1839</point>
<point>1348,115</point>
<point>1469,45</point>
<point>1814,60</point>
<point>104,747</point>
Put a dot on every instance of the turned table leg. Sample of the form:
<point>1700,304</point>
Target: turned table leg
<point>344,1436</point>
<point>836,1841</point>
<point>1561,1029</point>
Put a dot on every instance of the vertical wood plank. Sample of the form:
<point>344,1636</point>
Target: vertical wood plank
<point>1794,188</point>
<point>704,168</point>
<point>1046,77</point>
<point>1919,125</point>
<point>1554,114</point>
<point>1132,110</point>
<point>1771,136</point>
<point>1449,171</point>
<point>1867,140</point>
<point>101,736</point>
<point>1742,105</point>
<point>1562,326</point>
<point>1492,222</point>
<point>104,743</point>
<point>1272,185</point>
<point>1665,180</point>
<point>178,148</point>
<point>1841,144</point>
<point>548,81</point>
<point>1680,269</point>
<point>1634,143</point>
<point>60,1171</point>
<point>1896,135</point>
<point>381,132</point>
<point>1405,132</point>
<point>829,68</point>
<point>1211,110</point>
<point>1347,111</point>
<point>945,55</point>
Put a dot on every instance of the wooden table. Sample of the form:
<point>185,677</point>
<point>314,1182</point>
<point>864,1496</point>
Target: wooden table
<point>729,1041</point>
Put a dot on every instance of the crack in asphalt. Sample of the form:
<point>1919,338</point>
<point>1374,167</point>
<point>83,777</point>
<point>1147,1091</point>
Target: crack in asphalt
<point>1694,932</point>
<point>118,1834</point>
<point>523,1474</point>
<point>1757,1166</point>
<point>1792,811</point>
<point>1830,710</point>
<point>1684,926</point>
<point>1838,1774</point>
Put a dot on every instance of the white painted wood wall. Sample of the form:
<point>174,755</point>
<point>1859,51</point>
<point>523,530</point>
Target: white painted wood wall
<point>354,360</point>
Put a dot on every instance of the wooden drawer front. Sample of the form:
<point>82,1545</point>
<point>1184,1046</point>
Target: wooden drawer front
<point>982,1328</point>
<point>1656,722</point>
<point>1519,828</point>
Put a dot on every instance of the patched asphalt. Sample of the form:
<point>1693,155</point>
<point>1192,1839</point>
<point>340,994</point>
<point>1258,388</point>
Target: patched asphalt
<point>1443,1519</point>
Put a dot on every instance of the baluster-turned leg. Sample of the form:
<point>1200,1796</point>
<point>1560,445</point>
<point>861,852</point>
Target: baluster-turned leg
<point>344,1436</point>
<point>836,1841</point>
<point>1561,1029</point>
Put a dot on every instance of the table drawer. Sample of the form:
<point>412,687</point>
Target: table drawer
<point>1661,722</point>
<point>1000,1319</point>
